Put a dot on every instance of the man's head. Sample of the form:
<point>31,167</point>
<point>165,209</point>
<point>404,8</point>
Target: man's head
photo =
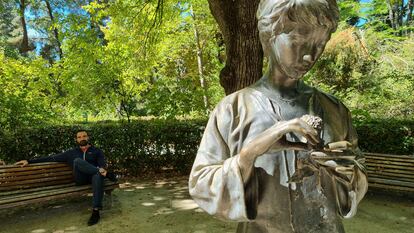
<point>293,33</point>
<point>82,138</point>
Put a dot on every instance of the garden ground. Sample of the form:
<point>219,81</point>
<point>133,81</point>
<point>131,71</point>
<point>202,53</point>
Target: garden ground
<point>164,206</point>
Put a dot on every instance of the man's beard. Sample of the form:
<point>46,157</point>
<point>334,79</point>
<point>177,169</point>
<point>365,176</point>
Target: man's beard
<point>83,143</point>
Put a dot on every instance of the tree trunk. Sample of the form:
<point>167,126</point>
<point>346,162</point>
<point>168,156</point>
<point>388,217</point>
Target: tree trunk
<point>391,14</point>
<point>410,12</point>
<point>55,30</point>
<point>24,46</point>
<point>238,24</point>
<point>200,63</point>
<point>401,13</point>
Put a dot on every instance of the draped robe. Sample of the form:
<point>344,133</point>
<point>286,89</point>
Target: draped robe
<point>266,201</point>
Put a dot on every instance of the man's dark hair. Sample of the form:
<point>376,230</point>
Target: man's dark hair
<point>81,130</point>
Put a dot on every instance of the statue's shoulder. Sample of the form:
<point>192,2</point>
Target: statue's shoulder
<point>237,102</point>
<point>328,98</point>
<point>242,96</point>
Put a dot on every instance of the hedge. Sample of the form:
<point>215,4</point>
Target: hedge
<point>131,148</point>
<point>387,136</point>
<point>153,145</point>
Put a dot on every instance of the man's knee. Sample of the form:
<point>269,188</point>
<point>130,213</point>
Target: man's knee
<point>77,161</point>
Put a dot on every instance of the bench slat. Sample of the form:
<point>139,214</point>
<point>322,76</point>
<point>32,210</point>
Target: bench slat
<point>381,166</point>
<point>34,172</point>
<point>34,185</point>
<point>33,195</point>
<point>391,170</point>
<point>49,198</point>
<point>395,163</point>
<point>21,191</point>
<point>391,174</point>
<point>12,168</point>
<point>40,180</point>
<point>391,159</point>
<point>391,182</point>
<point>368,154</point>
<point>390,187</point>
<point>32,177</point>
<point>388,177</point>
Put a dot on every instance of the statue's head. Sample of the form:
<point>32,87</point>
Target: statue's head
<point>294,33</point>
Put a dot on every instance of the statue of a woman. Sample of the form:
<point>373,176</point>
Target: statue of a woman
<point>261,162</point>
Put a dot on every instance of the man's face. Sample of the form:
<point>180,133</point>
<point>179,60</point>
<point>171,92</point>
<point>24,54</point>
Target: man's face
<point>296,51</point>
<point>82,138</point>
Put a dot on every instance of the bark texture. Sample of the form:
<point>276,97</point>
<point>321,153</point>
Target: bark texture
<point>55,30</point>
<point>244,55</point>
<point>24,46</point>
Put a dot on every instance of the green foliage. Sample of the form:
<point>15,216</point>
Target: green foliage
<point>24,94</point>
<point>350,11</point>
<point>388,136</point>
<point>121,59</point>
<point>373,76</point>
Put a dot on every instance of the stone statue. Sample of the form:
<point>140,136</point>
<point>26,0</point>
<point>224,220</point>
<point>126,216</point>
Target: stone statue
<point>281,156</point>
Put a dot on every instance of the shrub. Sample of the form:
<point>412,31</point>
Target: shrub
<point>152,145</point>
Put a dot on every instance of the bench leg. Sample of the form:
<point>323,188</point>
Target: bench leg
<point>109,194</point>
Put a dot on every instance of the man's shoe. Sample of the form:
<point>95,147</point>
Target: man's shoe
<point>111,176</point>
<point>94,219</point>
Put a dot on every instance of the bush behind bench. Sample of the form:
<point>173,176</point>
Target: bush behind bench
<point>152,145</point>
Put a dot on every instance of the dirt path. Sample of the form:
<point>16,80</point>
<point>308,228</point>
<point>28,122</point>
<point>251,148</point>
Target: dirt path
<point>165,207</point>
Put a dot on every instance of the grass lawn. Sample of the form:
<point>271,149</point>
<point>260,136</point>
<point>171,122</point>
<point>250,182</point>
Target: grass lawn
<point>164,206</point>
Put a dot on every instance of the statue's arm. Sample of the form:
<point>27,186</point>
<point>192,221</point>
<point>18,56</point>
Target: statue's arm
<point>216,183</point>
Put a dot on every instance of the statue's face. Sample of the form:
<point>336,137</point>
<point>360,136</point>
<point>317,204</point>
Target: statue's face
<point>296,51</point>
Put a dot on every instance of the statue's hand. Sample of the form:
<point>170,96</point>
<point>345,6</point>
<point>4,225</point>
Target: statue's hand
<point>274,139</point>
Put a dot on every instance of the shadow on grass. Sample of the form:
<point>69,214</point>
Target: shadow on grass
<point>164,206</point>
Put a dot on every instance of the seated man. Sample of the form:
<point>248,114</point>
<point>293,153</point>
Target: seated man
<point>88,164</point>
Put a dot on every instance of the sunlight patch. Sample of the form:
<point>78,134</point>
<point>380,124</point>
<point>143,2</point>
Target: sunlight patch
<point>148,203</point>
<point>39,231</point>
<point>158,198</point>
<point>186,204</point>
<point>199,210</point>
<point>164,210</point>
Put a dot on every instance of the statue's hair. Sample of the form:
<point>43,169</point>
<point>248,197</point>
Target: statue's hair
<point>273,15</point>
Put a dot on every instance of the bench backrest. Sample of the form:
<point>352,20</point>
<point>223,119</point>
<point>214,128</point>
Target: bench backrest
<point>34,175</point>
<point>392,172</point>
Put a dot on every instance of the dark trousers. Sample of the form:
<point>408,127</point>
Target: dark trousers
<point>86,173</point>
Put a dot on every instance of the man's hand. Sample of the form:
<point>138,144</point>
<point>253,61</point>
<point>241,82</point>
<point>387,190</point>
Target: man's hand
<point>102,171</point>
<point>22,163</point>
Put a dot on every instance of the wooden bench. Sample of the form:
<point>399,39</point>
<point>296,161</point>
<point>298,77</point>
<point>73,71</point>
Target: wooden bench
<point>40,182</point>
<point>390,172</point>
